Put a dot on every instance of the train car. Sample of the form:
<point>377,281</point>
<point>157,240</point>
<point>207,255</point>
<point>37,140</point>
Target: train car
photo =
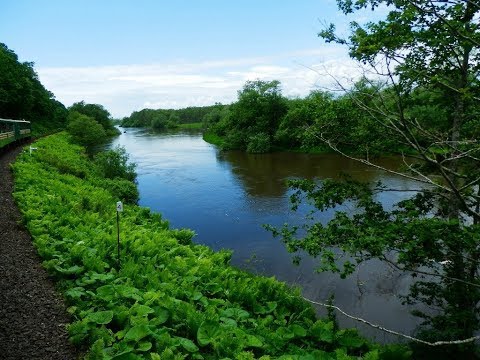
<point>13,131</point>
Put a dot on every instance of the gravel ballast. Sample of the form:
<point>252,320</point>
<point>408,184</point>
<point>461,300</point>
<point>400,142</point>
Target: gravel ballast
<point>33,316</point>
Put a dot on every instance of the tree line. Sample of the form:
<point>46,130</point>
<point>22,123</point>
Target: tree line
<point>263,120</point>
<point>164,119</point>
<point>22,96</point>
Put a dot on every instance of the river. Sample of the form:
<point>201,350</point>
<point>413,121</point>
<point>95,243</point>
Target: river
<point>225,197</point>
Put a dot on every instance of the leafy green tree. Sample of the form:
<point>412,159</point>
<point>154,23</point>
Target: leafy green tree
<point>259,110</point>
<point>115,164</point>
<point>22,96</point>
<point>85,130</point>
<point>159,121</point>
<point>428,104</point>
<point>97,112</point>
<point>313,111</point>
<point>173,120</point>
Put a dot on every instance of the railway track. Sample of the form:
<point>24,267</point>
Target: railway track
<point>33,316</point>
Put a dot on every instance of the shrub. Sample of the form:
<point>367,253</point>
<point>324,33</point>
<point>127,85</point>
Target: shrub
<point>114,163</point>
<point>85,130</point>
<point>259,143</point>
<point>121,189</point>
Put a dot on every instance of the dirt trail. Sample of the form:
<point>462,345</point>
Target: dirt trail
<point>32,314</point>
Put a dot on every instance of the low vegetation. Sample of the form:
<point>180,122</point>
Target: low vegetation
<point>166,298</point>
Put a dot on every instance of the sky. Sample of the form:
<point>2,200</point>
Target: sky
<point>128,55</point>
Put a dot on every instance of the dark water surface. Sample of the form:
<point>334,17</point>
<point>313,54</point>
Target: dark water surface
<point>225,197</point>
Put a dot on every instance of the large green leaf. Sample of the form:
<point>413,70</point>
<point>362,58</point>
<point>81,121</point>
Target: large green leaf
<point>253,341</point>
<point>297,330</point>
<point>188,345</point>
<point>144,346</point>
<point>137,333</point>
<point>235,313</point>
<point>100,317</point>
<point>128,292</point>
<point>161,316</point>
<point>106,292</point>
<point>208,332</point>
<point>323,331</point>
<point>349,339</point>
<point>75,293</point>
<point>72,270</point>
<point>141,310</point>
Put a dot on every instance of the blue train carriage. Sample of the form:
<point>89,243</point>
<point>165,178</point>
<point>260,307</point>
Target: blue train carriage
<point>14,131</point>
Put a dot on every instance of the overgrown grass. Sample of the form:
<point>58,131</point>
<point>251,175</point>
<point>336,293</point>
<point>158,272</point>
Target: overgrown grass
<point>213,139</point>
<point>191,126</point>
<point>167,298</point>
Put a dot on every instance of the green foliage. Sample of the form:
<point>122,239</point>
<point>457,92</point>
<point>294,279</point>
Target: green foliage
<point>164,119</point>
<point>96,112</point>
<point>114,164</point>
<point>423,107</point>
<point>262,120</point>
<point>170,299</point>
<point>24,97</point>
<point>191,126</point>
<point>160,122</point>
<point>256,115</point>
<point>213,139</point>
<point>85,130</point>
<point>124,190</point>
<point>117,174</point>
<point>259,143</point>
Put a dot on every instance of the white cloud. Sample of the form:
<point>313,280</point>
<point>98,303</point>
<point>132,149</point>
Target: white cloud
<point>126,88</point>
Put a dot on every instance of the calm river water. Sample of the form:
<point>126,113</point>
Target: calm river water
<point>225,197</point>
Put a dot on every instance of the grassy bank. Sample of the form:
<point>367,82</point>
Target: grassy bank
<point>191,126</point>
<point>169,298</point>
<point>213,139</point>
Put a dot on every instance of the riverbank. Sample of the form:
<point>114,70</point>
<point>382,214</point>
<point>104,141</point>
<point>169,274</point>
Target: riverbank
<point>33,317</point>
<point>216,140</point>
<point>169,296</point>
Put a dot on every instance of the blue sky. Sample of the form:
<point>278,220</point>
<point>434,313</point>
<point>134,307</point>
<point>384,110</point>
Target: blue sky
<point>128,55</point>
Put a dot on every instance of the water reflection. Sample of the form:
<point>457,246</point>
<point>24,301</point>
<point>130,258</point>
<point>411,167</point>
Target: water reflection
<point>265,175</point>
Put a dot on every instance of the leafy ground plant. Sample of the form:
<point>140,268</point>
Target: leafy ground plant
<point>170,298</point>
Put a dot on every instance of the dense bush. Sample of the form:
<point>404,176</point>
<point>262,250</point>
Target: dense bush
<point>114,164</point>
<point>85,130</point>
<point>98,113</point>
<point>259,143</point>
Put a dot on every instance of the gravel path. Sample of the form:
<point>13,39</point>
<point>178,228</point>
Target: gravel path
<point>32,314</point>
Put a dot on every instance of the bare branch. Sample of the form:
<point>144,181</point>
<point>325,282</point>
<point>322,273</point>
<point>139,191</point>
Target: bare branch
<point>379,327</point>
<point>396,266</point>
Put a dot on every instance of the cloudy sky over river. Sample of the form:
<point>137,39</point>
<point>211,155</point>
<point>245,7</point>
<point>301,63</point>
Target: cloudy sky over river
<point>130,55</point>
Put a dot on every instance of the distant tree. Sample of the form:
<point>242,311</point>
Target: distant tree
<point>159,121</point>
<point>173,120</point>
<point>256,115</point>
<point>85,130</point>
<point>97,112</point>
<point>316,108</point>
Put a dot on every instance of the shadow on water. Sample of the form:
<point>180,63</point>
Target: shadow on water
<point>226,197</point>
